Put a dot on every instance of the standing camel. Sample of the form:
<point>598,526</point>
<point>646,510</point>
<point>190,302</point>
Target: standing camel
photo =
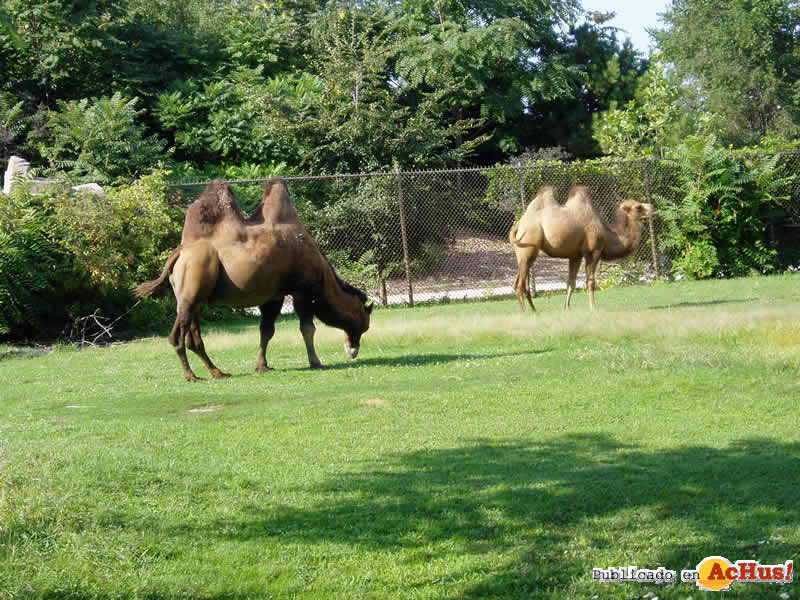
<point>574,231</point>
<point>226,259</point>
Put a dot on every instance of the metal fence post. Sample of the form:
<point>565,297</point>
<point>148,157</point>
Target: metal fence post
<point>404,236</point>
<point>653,246</point>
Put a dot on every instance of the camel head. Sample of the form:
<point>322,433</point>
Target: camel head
<point>354,330</point>
<point>350,312</point>
<point>637,211</point>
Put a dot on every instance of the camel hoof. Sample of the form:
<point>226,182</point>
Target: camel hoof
<point>219,374</point>
<point>319,367</point>
<point>263,369</point>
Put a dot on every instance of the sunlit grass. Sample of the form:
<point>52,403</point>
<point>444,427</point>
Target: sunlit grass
<point>471,451</point>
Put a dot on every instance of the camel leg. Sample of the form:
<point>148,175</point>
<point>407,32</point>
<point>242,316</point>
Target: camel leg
<point>574,265</point>
<point>305,312</point>
<point>521,283</point>
<point>178,335</point>
<point>195,343</point>
<point>269,312</point>
<point>193,277</point>
<point>518,293</point>
<point>591,266</point>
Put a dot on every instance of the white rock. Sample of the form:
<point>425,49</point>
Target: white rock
<point>15,172</point>
<point>91,188</point>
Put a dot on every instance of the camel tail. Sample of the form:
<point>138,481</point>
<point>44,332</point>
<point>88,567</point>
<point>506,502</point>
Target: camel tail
<point>149,287</point>
<point>512,237</point>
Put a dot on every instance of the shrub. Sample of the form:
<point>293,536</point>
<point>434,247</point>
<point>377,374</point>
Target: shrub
<point>120,240</point>
<point>66,256</point>
<point>719,213</point>
<point>13,123</point>
<point>100,140</point>
<point>35,270</point>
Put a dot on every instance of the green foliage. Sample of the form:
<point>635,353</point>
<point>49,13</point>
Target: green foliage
<point>9,32</point>
<point>235,118</point>
<point>122,239</point>
<point>738,60</point>
<point>360,227</point>
<point>329,87</point>
<point>609,75</point>
<point>77,50</point>
<point>650,123</point>
<point>366,117</point>
<point>100,140</point>
<point>212,121</point>
<point>13,123</point>
<point>720,210</point>
<point>499,62</point>
<point>65,256</point>
<point>365,221</point>
<point>272,41</point>
<point>362,272</point>
<point>35,272</point>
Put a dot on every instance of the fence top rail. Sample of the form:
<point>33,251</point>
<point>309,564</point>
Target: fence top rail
<point>542,165</point>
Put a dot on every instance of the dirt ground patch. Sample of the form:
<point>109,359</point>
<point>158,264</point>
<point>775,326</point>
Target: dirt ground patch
<point>206,409</point>
<point>477,260</point>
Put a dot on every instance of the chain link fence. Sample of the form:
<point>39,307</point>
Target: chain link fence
<point>431,235</point>
<point>785,233</point>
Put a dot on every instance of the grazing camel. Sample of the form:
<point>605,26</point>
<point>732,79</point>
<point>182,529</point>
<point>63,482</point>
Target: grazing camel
<point>224,258</point>
<point>574,231</point>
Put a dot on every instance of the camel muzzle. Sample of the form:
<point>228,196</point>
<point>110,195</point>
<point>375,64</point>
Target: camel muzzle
<point>351,351</point>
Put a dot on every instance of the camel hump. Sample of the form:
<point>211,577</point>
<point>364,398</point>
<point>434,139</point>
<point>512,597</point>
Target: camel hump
<point>276,205</point>
<point>579,194</point>
<point>545,196</point>
<point>214,206</point>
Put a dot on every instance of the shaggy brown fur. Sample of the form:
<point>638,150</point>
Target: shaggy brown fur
<point>226,259</point>
<point>574,231</point>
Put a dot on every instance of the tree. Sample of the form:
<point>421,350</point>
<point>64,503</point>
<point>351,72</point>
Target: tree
<point>500,59</point>
<point>363,116</point>
<point>741,61</point>
<point>610,74</point>
<point>64,56</point>
<point>652,122</point>
<point>9,31</point>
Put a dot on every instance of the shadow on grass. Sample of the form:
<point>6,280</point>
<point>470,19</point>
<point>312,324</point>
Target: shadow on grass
<point>531,502</point>
<point>419,360</point>
<point>698,304</point>
<point>406,360</point>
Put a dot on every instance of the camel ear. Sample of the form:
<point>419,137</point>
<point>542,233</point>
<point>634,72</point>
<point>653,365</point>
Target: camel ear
<point>369,307</point>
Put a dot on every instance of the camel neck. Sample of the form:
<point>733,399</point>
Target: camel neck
<point>337,307</point>
<point>624,236</point>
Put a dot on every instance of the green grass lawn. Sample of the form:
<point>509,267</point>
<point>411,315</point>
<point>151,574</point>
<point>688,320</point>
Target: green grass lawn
<point>471,452</point>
